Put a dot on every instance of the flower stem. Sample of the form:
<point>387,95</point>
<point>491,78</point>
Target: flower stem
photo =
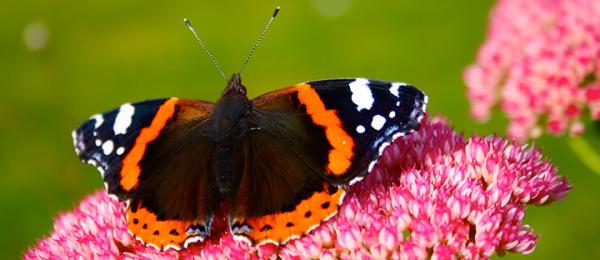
<point>586,154</point>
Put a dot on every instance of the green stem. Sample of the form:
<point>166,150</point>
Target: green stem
<point>586,154</point>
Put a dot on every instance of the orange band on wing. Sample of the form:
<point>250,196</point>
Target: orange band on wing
<point>162,234</point>
<point>308,214</point>
<point>130,171</point>
<point>341,154</point>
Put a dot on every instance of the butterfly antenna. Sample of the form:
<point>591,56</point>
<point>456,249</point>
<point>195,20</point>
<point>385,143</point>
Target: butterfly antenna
<point>262,34</point>
<point>212,58</point>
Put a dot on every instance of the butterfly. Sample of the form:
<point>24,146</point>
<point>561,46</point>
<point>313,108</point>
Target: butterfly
<point>281,161</point>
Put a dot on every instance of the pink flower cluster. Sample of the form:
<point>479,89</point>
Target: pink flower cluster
<point>431,195</point>
<point>540,61</point>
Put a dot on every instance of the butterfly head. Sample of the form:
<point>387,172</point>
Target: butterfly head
<point>235,87</point>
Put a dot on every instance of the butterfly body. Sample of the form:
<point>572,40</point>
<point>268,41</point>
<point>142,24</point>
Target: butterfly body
<point>231,121</point>
<point>281,162</point>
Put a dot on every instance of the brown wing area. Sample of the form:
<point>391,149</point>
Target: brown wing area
<point>130,170</point>
<point>279,228</point>
<point>301,103</point>
<point>171,182</point>
<point>173,113</point>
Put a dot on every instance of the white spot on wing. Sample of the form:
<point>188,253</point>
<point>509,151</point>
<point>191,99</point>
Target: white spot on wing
<point>101,170</point>
<point>360,129</point>
<point>107,147</point>
<point>99,120</point>
<point>355,180</point>
<point>242,238</point>
<point>395,88</point>
<point>424,106</point>
<point>397,135</point>
<point>169,246</point>
<point>149,244</point>
<point>378,122</point>
<point>92,162</point>
<point>392,114</point>
<point>361,94</point>
<point>74,135</point>
<point>98,142</point>
<point>371,165</point>
<point>191,240</point>
<point>114,197</point>
<point>382,148</point>
<point>120,150</point>
<point>123,120</point>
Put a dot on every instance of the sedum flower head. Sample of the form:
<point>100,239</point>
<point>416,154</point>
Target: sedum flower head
<point>431,195</point>
<point>540,64</point>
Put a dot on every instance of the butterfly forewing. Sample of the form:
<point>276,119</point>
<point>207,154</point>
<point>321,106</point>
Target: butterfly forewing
<point>349,121</point>
<point>372,113</point>
<point>106,139</point>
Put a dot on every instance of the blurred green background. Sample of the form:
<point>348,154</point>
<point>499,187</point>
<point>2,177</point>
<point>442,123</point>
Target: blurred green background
<point>100,54</point>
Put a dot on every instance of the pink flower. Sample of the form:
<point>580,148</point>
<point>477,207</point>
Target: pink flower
<point>432,194</point>
<point>540,63</point>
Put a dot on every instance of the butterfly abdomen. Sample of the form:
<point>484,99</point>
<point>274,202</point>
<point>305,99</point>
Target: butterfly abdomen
<point>224,167</point>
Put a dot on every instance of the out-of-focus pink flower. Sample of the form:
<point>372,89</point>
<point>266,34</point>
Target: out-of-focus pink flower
<point>432,194</point>
<point>540,61</point>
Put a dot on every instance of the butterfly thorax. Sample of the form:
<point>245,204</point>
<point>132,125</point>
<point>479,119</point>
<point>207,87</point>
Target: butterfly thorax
<point>231,112</point>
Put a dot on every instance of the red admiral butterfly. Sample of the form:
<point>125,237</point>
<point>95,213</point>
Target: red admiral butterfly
<point>281,161</point>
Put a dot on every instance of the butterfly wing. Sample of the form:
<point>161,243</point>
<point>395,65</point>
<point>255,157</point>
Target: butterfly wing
<point>370,113</point>
<point>156,155</point>
<point>281,193</point>
<point>106,139</point>
<point>308,142</point>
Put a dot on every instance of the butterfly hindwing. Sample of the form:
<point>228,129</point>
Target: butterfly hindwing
<point>280,192</point>
<point>162,234</point>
